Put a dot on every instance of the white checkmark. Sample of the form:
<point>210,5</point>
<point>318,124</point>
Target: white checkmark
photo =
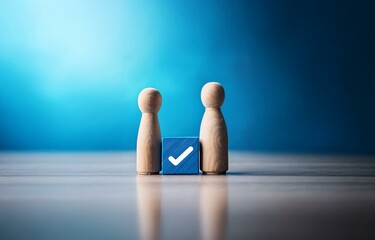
<point>181,157</point>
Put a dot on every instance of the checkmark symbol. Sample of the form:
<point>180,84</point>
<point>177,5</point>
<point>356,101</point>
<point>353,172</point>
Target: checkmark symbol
<point>181,157</point>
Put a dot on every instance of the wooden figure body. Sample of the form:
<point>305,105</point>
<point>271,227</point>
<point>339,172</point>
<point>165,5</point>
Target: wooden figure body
<point>149,137</point>
<point>213,131</point>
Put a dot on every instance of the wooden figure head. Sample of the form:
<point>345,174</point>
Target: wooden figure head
<point>149,100</point>
<point>212,95</point>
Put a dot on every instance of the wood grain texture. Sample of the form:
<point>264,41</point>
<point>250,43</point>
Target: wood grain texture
<point>213,132</point>
<point>149,137</point>
<point>100,196</point>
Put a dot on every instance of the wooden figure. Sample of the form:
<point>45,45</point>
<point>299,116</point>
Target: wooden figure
<point>213,131</point>
<point>149,137</point>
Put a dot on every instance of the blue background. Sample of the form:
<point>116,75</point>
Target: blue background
<point>299,75</point>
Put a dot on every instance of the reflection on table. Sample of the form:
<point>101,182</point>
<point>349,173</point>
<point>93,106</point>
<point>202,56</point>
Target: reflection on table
<point>212,209</point>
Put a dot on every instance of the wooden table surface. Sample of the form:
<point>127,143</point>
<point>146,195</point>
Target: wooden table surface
<point>99,196</point>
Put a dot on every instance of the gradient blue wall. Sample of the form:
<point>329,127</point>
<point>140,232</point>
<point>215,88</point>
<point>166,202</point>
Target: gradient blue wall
<point>299,75</point>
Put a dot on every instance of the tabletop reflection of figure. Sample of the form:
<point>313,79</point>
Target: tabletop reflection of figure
<point>213,207</point>
<point>149,206</point>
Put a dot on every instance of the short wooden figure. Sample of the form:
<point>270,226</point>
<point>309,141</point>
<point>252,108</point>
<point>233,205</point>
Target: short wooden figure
<point>149,137</point>
<point>180,155</point>
<point>213,131</point>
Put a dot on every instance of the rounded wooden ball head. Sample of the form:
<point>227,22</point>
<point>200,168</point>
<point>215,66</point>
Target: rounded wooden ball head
<point>149,100</point>
<point>212,95</point>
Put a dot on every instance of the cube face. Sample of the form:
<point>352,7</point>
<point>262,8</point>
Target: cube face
<point>180,155</point>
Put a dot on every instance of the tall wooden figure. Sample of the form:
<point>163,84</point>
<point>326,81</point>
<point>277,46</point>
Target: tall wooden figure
<point>149,137</point>
<point>213,132</point>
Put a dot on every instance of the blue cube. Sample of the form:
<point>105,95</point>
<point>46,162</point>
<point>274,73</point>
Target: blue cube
<point>180,155</point>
